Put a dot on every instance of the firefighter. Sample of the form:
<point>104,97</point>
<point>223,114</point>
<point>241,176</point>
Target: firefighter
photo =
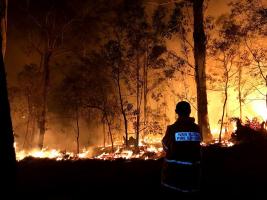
<point>181,167</point>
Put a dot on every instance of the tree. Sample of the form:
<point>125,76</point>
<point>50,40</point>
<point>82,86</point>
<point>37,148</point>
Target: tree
<point>143,45</point>
<point>251,18</point>
<point>200,68</point>
<point>85,90</point>
<point>7,151</point>
<point>114,58</point>
<point>29,83</point>
<point>49,27</point>
<point>224,49</point>
<point>181,24</point>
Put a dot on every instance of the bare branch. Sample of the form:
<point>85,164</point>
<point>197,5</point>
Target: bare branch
<point>256,60</point>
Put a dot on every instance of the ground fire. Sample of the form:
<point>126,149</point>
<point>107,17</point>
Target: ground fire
<point>132,94</point>
<point>149,148</point>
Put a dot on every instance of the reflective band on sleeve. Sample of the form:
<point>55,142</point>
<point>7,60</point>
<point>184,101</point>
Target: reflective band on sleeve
<point>178,189</point>
<point>187,137</point>
<point>181,162</point>
<point>164,146</point>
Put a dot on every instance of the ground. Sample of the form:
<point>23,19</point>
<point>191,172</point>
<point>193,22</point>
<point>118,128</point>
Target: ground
<point>241,169</point>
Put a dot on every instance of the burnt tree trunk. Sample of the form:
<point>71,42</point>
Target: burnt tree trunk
<point>28,121</point>
<point>7,151</point>
<point>45,84</point>
<point>138,100</point>
<point>200,69</point>
<point>123,112</point>
<point>266,92</point>
<point>104,133</point>
<point>224,103</point>
<point>3,11</point>
<point>77,129</point>
<point>145,88</point>
<point>109,130</point>
<point>239,91</point>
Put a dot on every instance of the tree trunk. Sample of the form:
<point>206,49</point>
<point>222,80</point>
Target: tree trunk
<point>4,25</point>
<point>7,151</point>
<point>138,100</point>
<point>239,91</point>
<point>145,88</point>
<point>33,127</point>
<point>109,131</point>
<point>266,92</point>
<point>45,85</point>
<point>122,109</point>
<point>104,133</point>
<point>224,104</point>
<point>28,121</point>
<point>78,130</point>
<point>200,69</point>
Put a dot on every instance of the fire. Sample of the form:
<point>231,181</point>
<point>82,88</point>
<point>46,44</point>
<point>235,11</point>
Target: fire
<point>152,139</point>
<point>143,152</point>
<point>44,153</point>
<point>260,109</point>
<point>224,143</point>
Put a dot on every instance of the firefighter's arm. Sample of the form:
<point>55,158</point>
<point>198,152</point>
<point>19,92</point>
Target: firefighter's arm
<point>166,140</point>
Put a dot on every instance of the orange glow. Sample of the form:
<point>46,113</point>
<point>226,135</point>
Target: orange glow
<point>260,109</point>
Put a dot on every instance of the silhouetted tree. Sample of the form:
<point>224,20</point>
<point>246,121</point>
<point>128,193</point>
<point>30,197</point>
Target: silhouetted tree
<point>49,27</point>
<point>140,46</point>
<point>182,24</point>
<point>115,59</point>
<point>251,18</point>
<point>86,89</point>
<point>200,68</point>
<point>29,83</point>
<point>7,151</point>
<point>50,24</point>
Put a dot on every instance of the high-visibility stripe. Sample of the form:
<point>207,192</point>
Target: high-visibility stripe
<point>181,162</point>
<point>187,137</point>
<point>164,146</point>
<point>178,189</point>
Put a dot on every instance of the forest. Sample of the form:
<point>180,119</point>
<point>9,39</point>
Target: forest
<point>97,79</point>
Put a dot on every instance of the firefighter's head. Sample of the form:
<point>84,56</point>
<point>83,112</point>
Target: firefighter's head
<point>183,109</point>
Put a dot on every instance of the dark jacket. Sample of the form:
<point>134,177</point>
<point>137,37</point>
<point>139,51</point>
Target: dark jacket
<point>181,168</point>
<point>182,140</point>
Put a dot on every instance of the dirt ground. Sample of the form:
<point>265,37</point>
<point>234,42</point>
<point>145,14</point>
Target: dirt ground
<point>235,171</point>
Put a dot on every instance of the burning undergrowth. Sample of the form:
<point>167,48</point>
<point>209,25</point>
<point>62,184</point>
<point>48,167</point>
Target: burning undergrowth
<point>102,153</point>
<point>143,152</point>
<point>149,149</point>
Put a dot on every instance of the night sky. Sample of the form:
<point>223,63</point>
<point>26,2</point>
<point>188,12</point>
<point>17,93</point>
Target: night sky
<point>16,56</point>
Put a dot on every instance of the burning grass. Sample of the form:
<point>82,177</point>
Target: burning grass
<point>144,152</point>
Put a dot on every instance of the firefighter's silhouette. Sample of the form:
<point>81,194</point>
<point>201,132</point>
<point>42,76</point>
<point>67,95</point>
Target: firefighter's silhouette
<point>181,168</point>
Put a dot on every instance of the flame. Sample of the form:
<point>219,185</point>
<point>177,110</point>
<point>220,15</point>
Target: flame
<point>224,143</point>
<point>152,139</point>
<point>143,152</point>
<point>44,153</point>
<point>149,148</point>
<point>225,132</point>
<point>260,109</point>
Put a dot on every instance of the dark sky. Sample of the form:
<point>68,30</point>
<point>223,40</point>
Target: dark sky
<point>16,56</point>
